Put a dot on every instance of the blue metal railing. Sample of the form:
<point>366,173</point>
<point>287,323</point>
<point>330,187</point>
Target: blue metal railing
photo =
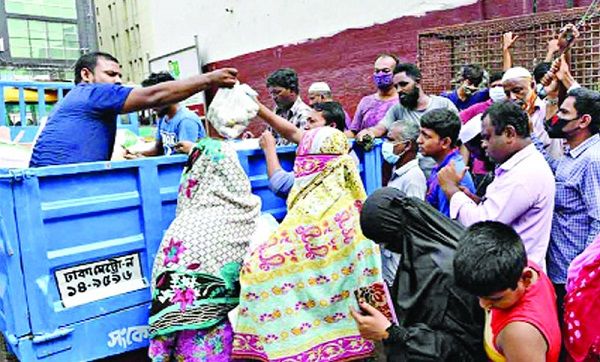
<point>61,89</point>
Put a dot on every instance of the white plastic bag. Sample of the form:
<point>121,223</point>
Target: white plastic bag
<point>265,226</point>
<point>12,154</point>
<point>232,109</point>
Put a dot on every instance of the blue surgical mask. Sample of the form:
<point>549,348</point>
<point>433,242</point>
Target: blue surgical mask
<point>387,151</point>
<point>541,91</point>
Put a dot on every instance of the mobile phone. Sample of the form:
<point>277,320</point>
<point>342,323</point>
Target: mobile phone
<point>378,296</point>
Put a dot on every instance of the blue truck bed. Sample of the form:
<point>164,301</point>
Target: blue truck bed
<point>66,231</point>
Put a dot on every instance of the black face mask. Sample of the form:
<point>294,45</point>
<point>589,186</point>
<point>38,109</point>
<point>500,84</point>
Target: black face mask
<point>554,126</point>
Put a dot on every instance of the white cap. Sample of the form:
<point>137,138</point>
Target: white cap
<point>470,129</point>
<point>516,72</point>
<point>319,87</point>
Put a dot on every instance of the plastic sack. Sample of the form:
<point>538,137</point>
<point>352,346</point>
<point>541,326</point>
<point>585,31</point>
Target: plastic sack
<point>232,109</point>
<point>14,155</point>
<point>125,139</point>
<point>266,225</point>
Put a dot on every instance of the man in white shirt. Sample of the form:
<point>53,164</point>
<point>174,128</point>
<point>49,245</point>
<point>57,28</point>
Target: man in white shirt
<point>400,150</point>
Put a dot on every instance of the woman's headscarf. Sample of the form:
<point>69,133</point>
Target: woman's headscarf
<point>322,156</point>
<point>424,293</point>
<point>195,274</point>
<point>297,286</point>
<point>412,228</point>
<point>582,305</point>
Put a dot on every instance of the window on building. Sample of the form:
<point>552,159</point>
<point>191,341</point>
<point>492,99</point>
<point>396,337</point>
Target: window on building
<point>43,39</point>
<point>53,8</point>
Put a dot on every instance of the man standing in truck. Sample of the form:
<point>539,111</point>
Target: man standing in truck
<point>82,127</point>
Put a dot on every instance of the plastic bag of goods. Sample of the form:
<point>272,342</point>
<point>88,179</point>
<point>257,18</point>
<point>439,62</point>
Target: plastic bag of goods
<point>14,155</point>
<point>125,139</point>
<point>232,109</point>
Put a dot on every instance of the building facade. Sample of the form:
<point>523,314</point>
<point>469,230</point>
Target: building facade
<point>122,32</point>
<point>43,38</point>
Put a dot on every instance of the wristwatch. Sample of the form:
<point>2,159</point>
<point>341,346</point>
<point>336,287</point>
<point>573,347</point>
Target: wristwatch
<point>551,101</point>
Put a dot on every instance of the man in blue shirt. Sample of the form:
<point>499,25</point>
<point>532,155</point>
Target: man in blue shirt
<point>176,123</point>
<point>438,138</point>
<point>576,218</point>
<point>467,93</point>
<point>82,127</point>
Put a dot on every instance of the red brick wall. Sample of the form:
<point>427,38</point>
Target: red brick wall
<point>345,60</point>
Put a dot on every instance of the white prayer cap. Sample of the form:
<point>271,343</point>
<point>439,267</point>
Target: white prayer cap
<point>319,87</point>
<point>516,72</point>
<point>471,129</point>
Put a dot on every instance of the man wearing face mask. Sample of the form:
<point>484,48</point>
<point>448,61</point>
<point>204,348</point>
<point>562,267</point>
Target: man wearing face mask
<point>519,87</point>
<point>576,218</point>
<point>467,93</point>
<point>400,151</point>
<point>373,107</point>
<point>414,103</point>
<point>478,165</point>
<point>496,92</point>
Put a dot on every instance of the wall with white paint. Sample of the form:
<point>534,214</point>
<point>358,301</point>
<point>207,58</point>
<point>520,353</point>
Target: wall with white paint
<point>229,28</point>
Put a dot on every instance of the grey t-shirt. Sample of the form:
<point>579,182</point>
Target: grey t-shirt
<point>399,113</point>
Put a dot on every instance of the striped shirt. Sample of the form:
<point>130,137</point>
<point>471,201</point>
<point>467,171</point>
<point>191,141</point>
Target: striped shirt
<point>576,219</point>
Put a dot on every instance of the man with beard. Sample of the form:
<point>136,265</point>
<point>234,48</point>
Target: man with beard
<point>283,88</point>
<point>176,123</point>
<point>414,103</point>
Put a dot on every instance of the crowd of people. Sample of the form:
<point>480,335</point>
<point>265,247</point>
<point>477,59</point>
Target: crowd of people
<point>486,239</point>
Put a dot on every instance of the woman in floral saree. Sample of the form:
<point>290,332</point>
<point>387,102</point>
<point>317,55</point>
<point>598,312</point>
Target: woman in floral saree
<point>298,286</point>
<point>195,275</point>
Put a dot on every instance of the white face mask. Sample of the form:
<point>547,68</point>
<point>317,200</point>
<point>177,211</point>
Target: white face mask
<point>497,94</point>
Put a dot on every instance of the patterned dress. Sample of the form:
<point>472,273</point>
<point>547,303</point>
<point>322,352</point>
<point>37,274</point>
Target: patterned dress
<point>298,286</point>
<point>196,270</point>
